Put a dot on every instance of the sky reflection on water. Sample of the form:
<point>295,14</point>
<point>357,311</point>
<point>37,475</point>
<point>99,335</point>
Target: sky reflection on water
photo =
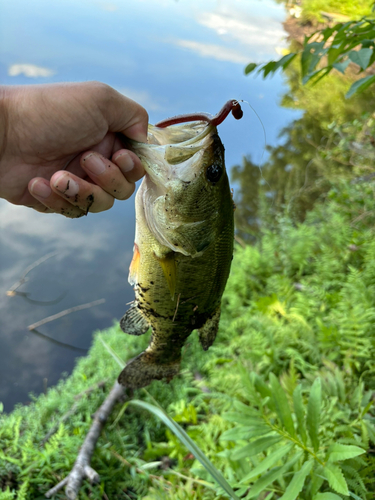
<point>171,56</point>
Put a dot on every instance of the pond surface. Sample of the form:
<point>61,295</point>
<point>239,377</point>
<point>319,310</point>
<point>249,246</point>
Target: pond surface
<point>173,57</point>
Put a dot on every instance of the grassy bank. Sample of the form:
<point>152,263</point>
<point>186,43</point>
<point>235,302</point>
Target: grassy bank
<point>298,324</point>
<point>319,11</point>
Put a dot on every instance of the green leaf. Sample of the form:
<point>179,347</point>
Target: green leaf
<point>189,443</point>
<point>366,408</point>
<point>327,496</point>
<point>340,451</point>
<point>353,495</point>
<point>268,68</point>
<point>119,361</point>
<point>360,85</point>
<point>286,60</point>
<point>249,68</point>
<point>241,418</point>
<point>272,476</point>
<point>282,405</point>
<point>264,390</point>
<point>336,478</point>
<point>361,57</point>
<point>342,65</point>
<point>300,412</point>
<point>313,413</point>
<point>268,462</point>
<point>296,484</point>
<point>255,447</point>
<point>247,410</point>
<point>245,432</point>
<point>310,58</point>
<point>333,54</point>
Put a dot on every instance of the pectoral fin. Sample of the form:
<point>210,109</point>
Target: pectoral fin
<point>133,322</point>
<point>207,333</point>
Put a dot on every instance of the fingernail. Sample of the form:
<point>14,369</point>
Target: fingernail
<point>125,162</point>
<point>38,188</point>
<point>94,164</point>
<point>66,185</point>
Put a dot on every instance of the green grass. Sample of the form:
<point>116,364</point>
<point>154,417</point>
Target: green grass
<point>294,361</point>
<point>312,9</point>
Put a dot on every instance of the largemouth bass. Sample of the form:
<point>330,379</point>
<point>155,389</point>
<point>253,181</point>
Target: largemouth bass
<point>183,243</point>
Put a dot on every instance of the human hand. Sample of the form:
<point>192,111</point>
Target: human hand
<point>55,154</point>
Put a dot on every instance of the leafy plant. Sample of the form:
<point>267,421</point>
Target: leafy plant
<point>287,386</point>
<point>331,48</point>
<point>287,432</point>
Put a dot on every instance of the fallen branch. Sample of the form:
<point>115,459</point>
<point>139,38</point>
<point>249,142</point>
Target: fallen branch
<point>64,313</point>
<point>82,468</point>
<point>72,410</point>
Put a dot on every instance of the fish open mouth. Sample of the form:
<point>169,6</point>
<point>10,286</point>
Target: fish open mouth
<point>176,145</point>
<point>174,153</point>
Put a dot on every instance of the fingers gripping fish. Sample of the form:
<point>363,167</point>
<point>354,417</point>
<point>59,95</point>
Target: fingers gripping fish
<point>183,242</point>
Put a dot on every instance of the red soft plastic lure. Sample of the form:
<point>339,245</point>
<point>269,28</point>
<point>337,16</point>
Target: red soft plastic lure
<point>230,106</point>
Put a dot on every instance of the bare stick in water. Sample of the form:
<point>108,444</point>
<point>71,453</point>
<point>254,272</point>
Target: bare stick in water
<point>12,290</point>
<point>64,313</point>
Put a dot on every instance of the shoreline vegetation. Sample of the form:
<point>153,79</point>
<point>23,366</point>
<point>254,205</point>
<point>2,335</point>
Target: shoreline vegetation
<point>296,335</point>
<point>283,403</point>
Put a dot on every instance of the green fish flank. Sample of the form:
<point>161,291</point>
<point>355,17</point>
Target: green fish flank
<point>183,246</point>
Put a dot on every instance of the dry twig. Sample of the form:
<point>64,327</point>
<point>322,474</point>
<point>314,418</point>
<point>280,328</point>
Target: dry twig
<point>82,468</point>
<point>64,313</point>
<point>12,290</point>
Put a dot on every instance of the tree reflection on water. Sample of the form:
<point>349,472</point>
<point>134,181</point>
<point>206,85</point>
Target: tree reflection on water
<point>314,153</point>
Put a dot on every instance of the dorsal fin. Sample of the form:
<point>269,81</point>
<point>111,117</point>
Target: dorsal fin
<point>133,322</point>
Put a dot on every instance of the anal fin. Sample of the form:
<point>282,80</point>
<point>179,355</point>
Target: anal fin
<point>133,322</point>
<point>207,333</point>
<point>143,369</point>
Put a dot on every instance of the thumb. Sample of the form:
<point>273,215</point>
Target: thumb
<point>124,115</point>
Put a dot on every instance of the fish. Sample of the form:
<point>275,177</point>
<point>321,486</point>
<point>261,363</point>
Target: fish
<point>183,242</point>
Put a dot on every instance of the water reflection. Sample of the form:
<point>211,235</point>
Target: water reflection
<point>172,57</point>
<point>303,166</point>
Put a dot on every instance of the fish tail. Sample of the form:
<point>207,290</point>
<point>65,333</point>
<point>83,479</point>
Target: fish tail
<point>143,369</point>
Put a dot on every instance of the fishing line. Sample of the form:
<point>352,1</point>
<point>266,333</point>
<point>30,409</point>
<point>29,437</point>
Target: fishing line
<point>264,146</point>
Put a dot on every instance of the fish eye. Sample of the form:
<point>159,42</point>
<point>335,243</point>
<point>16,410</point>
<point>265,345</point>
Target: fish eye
<point>214,172</point>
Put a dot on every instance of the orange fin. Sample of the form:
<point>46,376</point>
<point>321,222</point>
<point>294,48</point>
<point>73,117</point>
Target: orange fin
<point>207,333</point>
<point>133,322</point>
<point>143,369</point>
<point>169,266</point>
<point>134,265</point>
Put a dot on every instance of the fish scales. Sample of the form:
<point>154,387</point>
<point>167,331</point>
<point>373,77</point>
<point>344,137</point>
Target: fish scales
<point>183,246</point>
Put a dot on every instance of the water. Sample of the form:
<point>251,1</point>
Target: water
<point>171,56</point>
